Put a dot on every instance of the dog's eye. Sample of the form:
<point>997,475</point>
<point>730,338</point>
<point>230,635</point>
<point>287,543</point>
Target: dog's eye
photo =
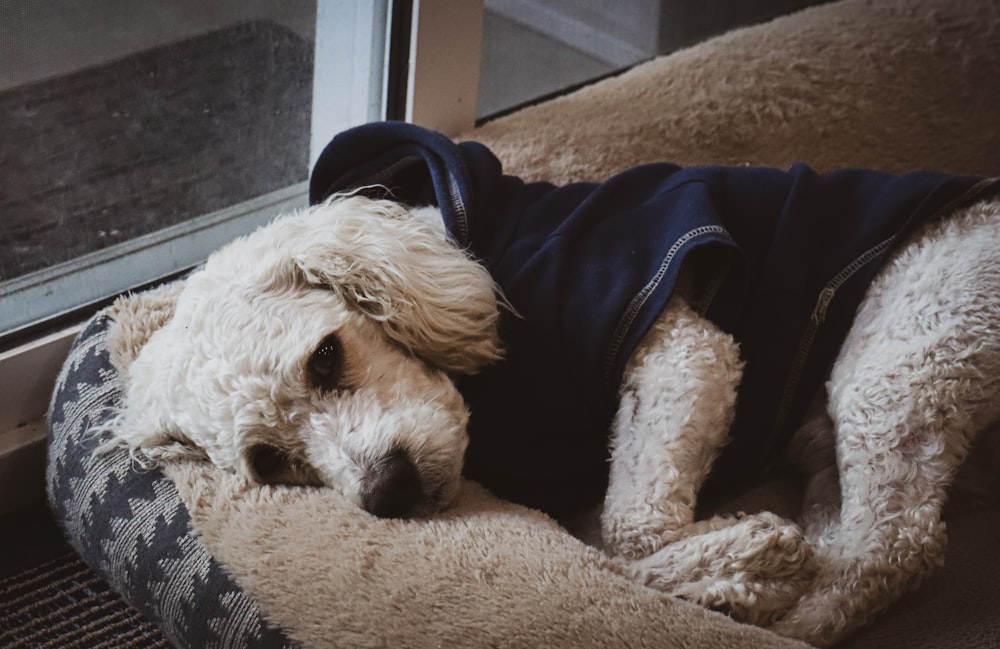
<point>273,466</point>
<point>326,365</point>
<point>267,462</point>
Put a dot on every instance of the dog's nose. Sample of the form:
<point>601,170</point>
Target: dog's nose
<point>392,486</point>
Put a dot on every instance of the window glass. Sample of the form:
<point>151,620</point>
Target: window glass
<point>122,148</point>
<point>536,48</point>
<point>137,135</point>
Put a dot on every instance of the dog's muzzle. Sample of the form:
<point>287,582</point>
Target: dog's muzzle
<point>392,486</point>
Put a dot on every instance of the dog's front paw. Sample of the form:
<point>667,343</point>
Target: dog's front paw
<point>754,568</point>
<point>637,533</point>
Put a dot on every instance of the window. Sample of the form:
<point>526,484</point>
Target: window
<point>138,135</point>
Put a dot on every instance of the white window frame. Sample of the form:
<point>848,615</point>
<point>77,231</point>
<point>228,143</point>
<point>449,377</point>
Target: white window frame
<point>348,90</point>
<point>442,85</point>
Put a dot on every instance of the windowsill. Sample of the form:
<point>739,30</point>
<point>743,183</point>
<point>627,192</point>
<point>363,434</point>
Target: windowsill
<point>27,377</point>
<point>94,277</point>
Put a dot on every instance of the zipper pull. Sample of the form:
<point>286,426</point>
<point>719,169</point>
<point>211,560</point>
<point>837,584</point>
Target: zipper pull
<point>825,297</point>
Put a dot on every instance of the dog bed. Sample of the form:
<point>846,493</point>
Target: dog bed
<point>892,85</point>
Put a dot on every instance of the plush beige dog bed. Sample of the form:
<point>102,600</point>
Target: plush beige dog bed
<point>895,85</point>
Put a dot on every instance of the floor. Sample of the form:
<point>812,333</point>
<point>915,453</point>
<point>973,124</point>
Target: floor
<point>55,600</point>
<point>36,44</point>
<point>30,537</point>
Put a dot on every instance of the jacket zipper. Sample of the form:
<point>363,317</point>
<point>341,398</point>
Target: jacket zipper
<point>461,216</point>
<point>816,320</point>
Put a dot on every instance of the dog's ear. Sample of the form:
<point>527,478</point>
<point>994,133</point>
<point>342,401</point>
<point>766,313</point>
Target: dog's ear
<point>398,266</point>
<point>144,424</point>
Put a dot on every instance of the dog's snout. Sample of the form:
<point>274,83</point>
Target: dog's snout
<point>392,486</point>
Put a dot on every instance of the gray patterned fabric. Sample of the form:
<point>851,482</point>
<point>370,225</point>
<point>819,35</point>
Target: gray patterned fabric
<point>129,524</point>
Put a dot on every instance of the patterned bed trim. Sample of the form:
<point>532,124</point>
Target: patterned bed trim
<point>130,525</point>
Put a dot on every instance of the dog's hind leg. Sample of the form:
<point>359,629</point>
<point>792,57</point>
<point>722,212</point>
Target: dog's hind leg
<point>676,407</point>
<point>918,376</point>
<point>812,452</point>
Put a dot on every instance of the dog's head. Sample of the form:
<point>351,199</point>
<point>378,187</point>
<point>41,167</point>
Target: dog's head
<point>321,350</point>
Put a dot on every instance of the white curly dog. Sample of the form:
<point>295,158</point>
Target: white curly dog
<point>322,349</point>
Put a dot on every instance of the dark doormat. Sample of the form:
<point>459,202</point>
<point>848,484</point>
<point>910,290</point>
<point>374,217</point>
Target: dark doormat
<point>50,599</point>
<point>61,603</point>
<point>126,148</point>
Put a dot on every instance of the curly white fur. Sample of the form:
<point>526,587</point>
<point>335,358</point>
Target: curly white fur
<point>917,378</point>
<point>229,375</point>
<point>235,370</point>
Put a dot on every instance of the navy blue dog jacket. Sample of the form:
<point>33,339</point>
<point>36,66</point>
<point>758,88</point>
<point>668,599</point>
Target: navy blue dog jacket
<point>784,258</point>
